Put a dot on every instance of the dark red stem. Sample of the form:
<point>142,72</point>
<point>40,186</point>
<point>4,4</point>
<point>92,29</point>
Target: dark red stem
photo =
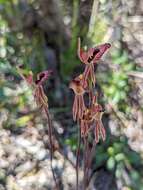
<point>85,177</point>
<point>91,153</point>
<point>77,158</point>
<point>51,144</point>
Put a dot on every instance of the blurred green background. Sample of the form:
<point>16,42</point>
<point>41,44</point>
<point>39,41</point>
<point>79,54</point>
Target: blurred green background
<point>42,34</point>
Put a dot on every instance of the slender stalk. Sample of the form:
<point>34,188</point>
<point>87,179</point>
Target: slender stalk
<point>85,163</point>
<point>89,161</point>
<point>51,144</point>
<point>77,158</point>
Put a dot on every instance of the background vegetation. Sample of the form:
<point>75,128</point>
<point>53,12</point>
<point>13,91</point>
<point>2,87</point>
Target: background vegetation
<point>42,34</point>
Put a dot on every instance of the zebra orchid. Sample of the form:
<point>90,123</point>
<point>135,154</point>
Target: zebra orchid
<point>97,112</point>
<point>78,106</point>
<point>85,122</point>
<point>93,117</point>
<point>42,101</point>
<point>39,95</point>
<point>90,58</point>
<point>89,117</point>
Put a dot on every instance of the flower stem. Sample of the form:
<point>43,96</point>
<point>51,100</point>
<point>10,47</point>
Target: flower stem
<point>85,163</point>
<point>91,153</point>
<point>51,144</point>
<point>77,158</point>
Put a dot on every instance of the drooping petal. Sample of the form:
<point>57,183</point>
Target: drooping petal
<point>102,131</point>
<point>83,105</point>
<point>86,75</point>
<point>82,127</point>
<point>94,100</point>
<point>96,133</point>
<point>87,127</point>
<point>40,97</point>
<point>79,115</point>
<point>92,74</point>
<point>75,108</point>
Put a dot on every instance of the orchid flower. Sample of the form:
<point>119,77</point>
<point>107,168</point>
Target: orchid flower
<point>97,112</point>
<point>85,122</point>
<point>90,57</point>
<point>39,95</point>
<point>93,116</point>
<point>42,101</point>
<point>79,91</point>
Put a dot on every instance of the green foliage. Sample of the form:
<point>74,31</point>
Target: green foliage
<point>121,160</point>
<point>98,30</point>
<point>115,82</point>
<point>69,61</point>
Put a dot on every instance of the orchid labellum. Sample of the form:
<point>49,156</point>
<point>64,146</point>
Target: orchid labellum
<point>78,106</point>
<point>90,57</point>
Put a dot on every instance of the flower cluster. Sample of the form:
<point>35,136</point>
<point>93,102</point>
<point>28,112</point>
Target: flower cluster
<point>88,117</point>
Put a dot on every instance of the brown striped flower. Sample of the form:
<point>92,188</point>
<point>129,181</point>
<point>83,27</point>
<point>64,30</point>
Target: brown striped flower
<point>86,122</point>
<point>97,112</point>
<point>92,118</point>
<point>39,95</point>
<point>78,106</point>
